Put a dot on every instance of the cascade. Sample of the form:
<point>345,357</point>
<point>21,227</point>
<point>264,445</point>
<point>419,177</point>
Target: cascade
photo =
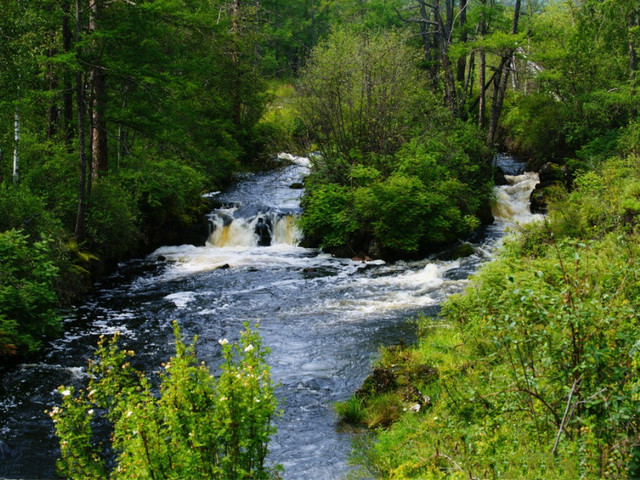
<point>263,229</point>
<point>512,200</point>
<point>262,209</point>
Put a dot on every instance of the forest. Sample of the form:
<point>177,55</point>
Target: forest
<point>117,116</point>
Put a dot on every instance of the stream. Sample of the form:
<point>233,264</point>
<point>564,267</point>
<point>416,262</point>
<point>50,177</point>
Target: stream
<point>323,318</point>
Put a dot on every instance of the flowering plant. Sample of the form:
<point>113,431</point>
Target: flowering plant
<point>198,426</point>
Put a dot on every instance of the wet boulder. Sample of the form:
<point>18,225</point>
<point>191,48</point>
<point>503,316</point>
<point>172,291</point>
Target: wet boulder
<point>499,178</point>
<point>264,233</point>
<point>551,176</point>
<point>460,250</point>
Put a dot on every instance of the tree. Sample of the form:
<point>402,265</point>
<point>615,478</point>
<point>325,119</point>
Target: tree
<point>359,94</point>
<point>27,294</point>
<point>501,79</point>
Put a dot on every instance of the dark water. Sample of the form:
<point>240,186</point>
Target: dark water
<point>323,318</point>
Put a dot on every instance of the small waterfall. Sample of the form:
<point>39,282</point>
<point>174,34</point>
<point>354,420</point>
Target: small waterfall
<point>263,229</point>
<point>512,202</point>
<point>262,209</point>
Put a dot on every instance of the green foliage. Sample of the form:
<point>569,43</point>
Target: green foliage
<point>111,221</point>
<point>351,411</point>
<point>397,175</point>
<point>603,202</point>
<point>197,427</point>
<point>27,294</point>
<point>328,216</point>
<point>23,210</point>
<point>360,94</point>
<point>430,193</point>
<point>537,362</point>
<point>576,83</point>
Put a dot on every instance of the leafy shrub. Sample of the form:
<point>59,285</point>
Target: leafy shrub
<point>198,426</point>
<point>428,194</point>
<point>25,211</point>
<point>327,219</point>
<point>27,294</point>
<point>166,200</point>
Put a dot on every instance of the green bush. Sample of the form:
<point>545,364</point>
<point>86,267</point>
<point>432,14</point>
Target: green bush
<point>27,294</point>
<point>197,427</point>
<point>428,194</point>
<point>328,218</point>
<point>25,211</point>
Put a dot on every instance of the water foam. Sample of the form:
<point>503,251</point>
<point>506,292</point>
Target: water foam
<point>512,205</point>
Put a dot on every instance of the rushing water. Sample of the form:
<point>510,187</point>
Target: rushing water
<point>323,318</point>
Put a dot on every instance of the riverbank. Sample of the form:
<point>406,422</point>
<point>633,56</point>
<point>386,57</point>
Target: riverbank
<point>532,371</point>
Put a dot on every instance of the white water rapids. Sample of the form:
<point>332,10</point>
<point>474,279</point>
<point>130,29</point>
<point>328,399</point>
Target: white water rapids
<point>324,319</point>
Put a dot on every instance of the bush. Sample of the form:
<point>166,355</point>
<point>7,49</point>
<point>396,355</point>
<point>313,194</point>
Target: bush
<point>428,194</point>
<point>27,294</point>
<point>329,218</point>
<point>25,211</point>
<point>198,426</point>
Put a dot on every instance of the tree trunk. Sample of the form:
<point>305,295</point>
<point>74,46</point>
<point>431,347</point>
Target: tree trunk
<point>501,81</point>
<point>53,112</point>
<point>447,67</point>
<point>16,145</point>
<point>80,230</point>
<point>442,40</point>
<point>313,24</point>
<point>235,57</point>
<point>97,80</point>
<point>467,88</point>
<point>482,94</point>
<point>462,61</point>
<point>483,70</point>
<point>67,92</point>
<point>425,32</point>
<point>499,88</point>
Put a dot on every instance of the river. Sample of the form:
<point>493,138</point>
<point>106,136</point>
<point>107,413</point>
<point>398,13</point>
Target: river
<point>323,318</point>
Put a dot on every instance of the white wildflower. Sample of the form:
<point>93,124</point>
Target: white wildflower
<point>65,393</point>
<point>249,348</point>
<point>223,341</point>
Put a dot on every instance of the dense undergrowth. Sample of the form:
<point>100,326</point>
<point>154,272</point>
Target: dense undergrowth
<point>532,372</point>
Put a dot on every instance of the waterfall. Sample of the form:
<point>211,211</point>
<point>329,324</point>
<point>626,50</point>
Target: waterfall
<point>261,210</point>
<point>512,200</point>
<point>263,229</point>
